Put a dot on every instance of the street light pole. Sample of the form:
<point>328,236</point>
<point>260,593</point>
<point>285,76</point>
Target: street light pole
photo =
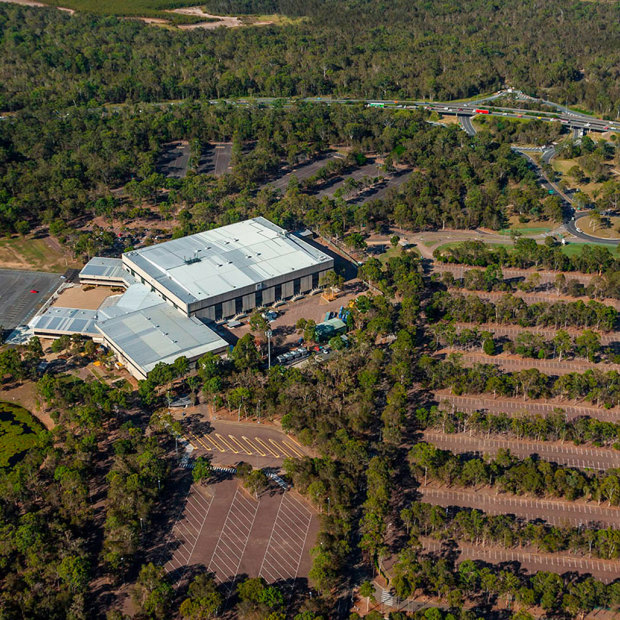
<point>268,333</point>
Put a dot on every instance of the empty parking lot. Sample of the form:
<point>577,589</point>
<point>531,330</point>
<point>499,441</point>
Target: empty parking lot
<point>230,533</point>
<point>228,443</point>
<point>532,561</point>
<point>515,406</point>
<point>561,453</point>
<point>554,511</point>
<point>17,303</point>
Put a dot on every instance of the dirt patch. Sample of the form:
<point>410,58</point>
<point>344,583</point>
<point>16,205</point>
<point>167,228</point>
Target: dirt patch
<point>26,396</point>
<point>83,297</point>
<point>37,4</point>
<point>216,21</point>
<point>31,253</point>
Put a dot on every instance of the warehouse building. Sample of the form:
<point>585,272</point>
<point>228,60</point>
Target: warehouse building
<point>172,289</point>
<point>231,270</point>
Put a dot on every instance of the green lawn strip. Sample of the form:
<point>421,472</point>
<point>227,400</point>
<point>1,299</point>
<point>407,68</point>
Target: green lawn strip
<point>456,244</point>
<point>19,431</point>
<point>526,231</point>
<point>570,249</point>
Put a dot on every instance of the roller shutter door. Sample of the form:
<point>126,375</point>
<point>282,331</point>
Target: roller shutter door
<point>269,295</point>
<point>287,290</point>
<point>305,284</point>
<point>228,308</point>
<point>249,302</point>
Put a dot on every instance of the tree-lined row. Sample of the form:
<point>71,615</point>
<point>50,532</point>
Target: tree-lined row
<point>595,386</point>
<point>512,475</point>
<point>475,526</point>
<point>52,58</point>
<point>527,253</point>
<point>552,427</point>
<point>491,279</point>
<point>528,344</point>
<point>415,573</point>
<point>514,310</point>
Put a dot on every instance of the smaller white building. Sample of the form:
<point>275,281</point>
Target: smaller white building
<point>146,337</point>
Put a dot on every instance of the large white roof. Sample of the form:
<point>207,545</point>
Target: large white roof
<point>159,333</point>
<point>219,261</point>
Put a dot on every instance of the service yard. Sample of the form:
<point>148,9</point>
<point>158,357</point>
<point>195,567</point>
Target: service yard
<point>23,292</point>
<point>224,529</point>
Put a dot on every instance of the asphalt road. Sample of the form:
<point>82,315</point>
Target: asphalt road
<point>302,171</point>
<point>17,303</point>
<point>562,453</point>
<point>229,443</point>
<point>553,511</point>
<point>466,124</point>
<point>380,191</point>
<point>230,532</point>
<point>215,159</point>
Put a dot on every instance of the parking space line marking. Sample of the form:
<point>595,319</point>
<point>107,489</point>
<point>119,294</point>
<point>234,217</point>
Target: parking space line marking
<point>202,441</point>
<point>226,443</point>
<point>254,448</point>
<point>236,441</point>
<point>225,539</point>
<point>184,548</point>
<point>279,447</point>
<point>264,445</point>
<point>290,447</point>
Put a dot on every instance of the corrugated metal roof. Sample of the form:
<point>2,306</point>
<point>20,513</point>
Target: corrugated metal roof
<point>67,321</point>
<point>159,334</point>
<point>106,268</point>
<point>231,257</point>
<point>136,297</point>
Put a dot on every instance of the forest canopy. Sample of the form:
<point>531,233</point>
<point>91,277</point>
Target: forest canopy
<point>436,50</point>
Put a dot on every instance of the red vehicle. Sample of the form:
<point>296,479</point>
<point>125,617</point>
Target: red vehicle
<point>34,290</point>
<point>481,111</point>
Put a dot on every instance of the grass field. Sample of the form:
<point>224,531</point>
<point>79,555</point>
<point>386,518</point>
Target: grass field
<point>585,223</point>
<point>575,248</point>
<point>563,166</point>
<point>570,249</point>
<point>35,254</point>
<point>531,230</point>
<point>19,431</point>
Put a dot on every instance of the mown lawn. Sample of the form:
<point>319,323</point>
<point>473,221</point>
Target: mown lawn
<point>19,431</point>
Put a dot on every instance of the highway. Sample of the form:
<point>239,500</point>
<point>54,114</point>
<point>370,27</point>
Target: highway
<point>571,119</point>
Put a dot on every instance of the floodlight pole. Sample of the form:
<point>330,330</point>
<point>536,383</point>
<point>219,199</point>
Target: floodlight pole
<point>268,333</point>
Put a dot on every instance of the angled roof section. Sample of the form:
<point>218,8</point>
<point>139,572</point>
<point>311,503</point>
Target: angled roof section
<point>106,269</point>
<point>66,321</point>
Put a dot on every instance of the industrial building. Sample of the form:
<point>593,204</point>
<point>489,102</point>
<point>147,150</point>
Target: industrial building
<point>171,290</point>
<point>221,273</point>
